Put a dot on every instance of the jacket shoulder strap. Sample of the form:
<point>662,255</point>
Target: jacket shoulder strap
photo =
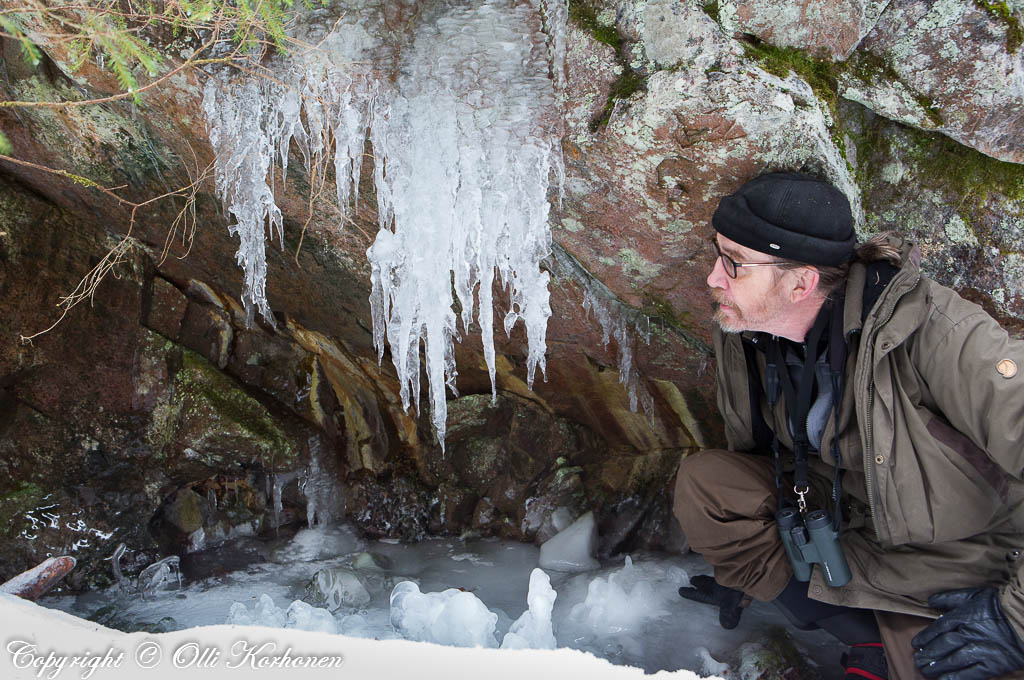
<point>759,428</point>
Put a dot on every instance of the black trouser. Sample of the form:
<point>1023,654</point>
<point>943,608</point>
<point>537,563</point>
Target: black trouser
<point>850,626</point>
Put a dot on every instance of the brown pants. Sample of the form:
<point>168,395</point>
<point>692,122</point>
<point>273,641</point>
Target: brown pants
<point>726,503</point>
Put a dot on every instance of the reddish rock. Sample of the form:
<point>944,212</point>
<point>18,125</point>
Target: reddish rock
<point>831,29</point>
<point>207,330</point>
<point>166,308</point>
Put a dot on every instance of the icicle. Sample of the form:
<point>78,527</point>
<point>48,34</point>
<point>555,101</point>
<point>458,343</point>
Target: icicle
<point>465,141</point>
<point>317,487</point>
<point>468,142</point>
<point>618,322</point>
<point>238,118</point>
<point>278,486</point>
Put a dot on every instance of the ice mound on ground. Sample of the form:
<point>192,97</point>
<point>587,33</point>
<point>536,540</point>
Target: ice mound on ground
<point>336,587</point>
<point>573,548</point>
<point>533,630</point>
<point>711,665</point>
<point>319,543</point>
<point>451,617</point>
<point>626,599</point>
<point>302,616</point>
<point>299,615</point>
<point>264,613</point>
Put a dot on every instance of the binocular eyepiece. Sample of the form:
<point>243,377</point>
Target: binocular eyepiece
<point>812,540</point>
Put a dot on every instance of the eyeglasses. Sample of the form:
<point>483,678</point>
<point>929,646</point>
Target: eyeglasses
<point>730,265</point>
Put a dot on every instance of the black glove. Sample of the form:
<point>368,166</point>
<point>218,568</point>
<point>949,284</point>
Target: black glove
<point>971,641</point>
<point>730,602</point>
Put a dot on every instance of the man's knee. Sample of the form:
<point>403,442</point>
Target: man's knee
<point>723,483</point>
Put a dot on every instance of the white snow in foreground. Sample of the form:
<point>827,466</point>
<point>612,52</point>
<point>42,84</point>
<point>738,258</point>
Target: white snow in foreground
<point>37,634</point>
<point>627,612</point>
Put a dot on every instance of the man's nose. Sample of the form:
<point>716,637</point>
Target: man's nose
<point>718,278</point>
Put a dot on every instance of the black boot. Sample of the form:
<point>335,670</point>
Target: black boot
<point>866,661</point>
<point>730,602</point>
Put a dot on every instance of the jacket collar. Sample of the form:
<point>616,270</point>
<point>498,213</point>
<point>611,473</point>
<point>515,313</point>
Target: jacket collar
<point>858,286</point>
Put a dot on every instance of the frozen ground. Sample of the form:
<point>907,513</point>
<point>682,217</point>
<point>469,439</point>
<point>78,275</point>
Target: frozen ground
<point>626,611</point>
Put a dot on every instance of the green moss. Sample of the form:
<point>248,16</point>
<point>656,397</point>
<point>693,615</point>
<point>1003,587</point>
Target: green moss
<point>823,75</point>
<point>970,174</point>
<point>627,84</point>
<point>1000,11</point>
<point>713,11</point>
<point>662,315</point>
<point>870,68</point>
<point>820,74</point>
<point>16,503</point>
<point>777,658</point>
<point>562,475</point>
<point>585,17</point>
<point>942,163</point>
<point>200,381</point>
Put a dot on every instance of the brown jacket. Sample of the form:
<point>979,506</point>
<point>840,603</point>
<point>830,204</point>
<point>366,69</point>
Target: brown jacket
<point>932,441</point>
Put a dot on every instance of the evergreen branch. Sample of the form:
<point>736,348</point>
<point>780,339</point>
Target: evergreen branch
<point>191,61</point>
<point>28,49</point>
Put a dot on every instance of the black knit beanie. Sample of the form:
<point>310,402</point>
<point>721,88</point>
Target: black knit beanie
<point>789,215</point>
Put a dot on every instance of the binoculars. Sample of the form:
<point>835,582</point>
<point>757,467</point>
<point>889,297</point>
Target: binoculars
<point>812,540</point>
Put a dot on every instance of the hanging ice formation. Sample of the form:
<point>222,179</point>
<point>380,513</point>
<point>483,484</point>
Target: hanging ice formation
<point>317,486</point>
<point>465,141</point>
<point>618,321</point>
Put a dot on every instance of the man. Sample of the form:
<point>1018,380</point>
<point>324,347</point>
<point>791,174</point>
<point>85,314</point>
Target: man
<point>816,336</point>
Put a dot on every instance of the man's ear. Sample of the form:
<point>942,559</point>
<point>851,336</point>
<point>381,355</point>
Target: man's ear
<point>805,282</point>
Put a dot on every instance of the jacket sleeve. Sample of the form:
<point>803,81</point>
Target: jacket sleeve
<point>975,372</point>
<point>730,388</point>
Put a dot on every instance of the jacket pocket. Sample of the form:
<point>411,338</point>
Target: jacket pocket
<point>972,453</point>
<point>936,484</point>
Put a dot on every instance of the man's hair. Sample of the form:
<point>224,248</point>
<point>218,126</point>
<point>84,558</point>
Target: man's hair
<point>833,278</point>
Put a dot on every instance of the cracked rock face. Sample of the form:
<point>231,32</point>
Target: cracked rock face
<point>831,29</point>
<point>957,58</point>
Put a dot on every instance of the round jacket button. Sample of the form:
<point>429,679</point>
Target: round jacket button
<point>879,459</point>
<point>817,590</point>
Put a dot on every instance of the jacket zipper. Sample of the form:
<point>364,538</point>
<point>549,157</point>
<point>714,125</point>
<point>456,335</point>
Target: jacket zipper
<point>869,461</point>
<point>869,468</point>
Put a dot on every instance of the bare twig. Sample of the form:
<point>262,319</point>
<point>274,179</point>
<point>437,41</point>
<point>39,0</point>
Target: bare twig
<point>77,179</point>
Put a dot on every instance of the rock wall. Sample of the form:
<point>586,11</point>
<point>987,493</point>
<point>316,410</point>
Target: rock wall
<point>155,417</point>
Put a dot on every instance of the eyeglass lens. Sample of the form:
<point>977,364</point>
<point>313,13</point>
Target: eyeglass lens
<point>728,263</point>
